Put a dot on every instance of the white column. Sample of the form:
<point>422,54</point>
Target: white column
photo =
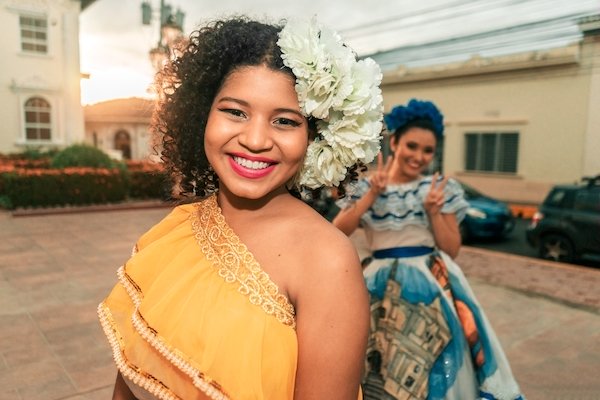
<point>74,125</point>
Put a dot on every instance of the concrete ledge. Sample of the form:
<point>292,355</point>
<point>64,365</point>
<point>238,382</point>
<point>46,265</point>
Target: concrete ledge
<point>131,205</point>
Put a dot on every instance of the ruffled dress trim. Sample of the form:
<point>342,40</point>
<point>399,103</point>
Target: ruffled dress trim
<point>128,370</point>
<point>235,264</point>
<point>135,374</point>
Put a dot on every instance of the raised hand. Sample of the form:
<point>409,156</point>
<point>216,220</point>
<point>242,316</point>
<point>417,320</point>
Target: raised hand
<point>435,197</point>
<point>379,179</point>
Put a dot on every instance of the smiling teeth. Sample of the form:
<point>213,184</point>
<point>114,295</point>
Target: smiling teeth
<point>250,164</point>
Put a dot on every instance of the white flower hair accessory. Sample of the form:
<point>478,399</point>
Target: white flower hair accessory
<point>342,93</point>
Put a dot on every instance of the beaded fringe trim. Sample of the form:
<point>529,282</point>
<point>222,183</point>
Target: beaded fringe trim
<point>131,372</point>
<point>208,386</point>
<point>235,262</point>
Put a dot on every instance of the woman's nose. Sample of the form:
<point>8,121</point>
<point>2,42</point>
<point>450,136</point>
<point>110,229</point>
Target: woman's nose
<point>256,136</point>
<point>420,154</point>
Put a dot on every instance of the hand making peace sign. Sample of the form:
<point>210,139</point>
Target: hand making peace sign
<point>435,197</point>
<point>379,179</point>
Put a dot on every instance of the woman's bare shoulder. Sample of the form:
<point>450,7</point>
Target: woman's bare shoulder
<point>320,238</point>
<point>323,254</point>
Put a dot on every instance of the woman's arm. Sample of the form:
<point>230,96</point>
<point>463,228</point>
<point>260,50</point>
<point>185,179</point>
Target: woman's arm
<point>446,233</point>
<point>443,226</point>
<point>332,316</point>
<point>121,391</point>
<point>347,219</point>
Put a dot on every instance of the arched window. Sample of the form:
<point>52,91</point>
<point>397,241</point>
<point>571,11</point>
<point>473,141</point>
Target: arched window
<point>123,143</point>
<point>37,119</point>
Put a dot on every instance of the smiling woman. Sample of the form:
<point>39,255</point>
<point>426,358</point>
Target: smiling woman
<point>232,294</point>
<point>430,339</point>
<point>254,141</point>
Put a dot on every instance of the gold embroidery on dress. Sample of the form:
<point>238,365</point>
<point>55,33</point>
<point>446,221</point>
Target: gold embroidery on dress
<point>236,263</point>
<point>200,380</point>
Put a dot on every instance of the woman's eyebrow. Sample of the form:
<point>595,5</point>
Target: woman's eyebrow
<point>246,104</point>
<point>290,110</point>
<point>233,99</point>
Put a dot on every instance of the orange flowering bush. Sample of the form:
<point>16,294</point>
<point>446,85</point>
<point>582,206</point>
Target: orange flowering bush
<point>146,180</point>
<point>33,183</point>
<point>56,187</point>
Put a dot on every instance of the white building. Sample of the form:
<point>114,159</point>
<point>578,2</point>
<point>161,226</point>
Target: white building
<point>120,127</point>
<point>40,75</point>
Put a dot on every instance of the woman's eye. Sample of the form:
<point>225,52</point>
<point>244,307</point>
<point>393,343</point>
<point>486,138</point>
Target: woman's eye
<point>412,146</point>
<point>287,122</point>
<point>428,150</point>
<point>233,111</point>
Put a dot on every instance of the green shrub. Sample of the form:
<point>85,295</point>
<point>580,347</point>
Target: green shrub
<point>31,153</point>
<point>81,155</point>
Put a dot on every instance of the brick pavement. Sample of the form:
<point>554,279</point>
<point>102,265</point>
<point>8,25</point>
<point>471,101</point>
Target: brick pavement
<point>573,285</point>
<point>54,269</point>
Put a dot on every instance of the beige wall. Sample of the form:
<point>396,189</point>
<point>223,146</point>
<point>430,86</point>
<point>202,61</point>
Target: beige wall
<point>591,58</point>
<point>546,98</point>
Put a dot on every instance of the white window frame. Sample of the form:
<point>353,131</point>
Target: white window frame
<point>37,125</point>
<point>35,31</point>
<point>498,155</point>
<point>55,114</point>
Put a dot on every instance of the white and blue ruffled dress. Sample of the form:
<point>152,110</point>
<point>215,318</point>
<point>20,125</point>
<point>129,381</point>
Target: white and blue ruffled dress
<point>430,339</point>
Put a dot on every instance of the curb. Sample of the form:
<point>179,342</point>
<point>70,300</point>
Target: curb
<point>517,257</point>
<point>135,205</point>
<point>569,284</point>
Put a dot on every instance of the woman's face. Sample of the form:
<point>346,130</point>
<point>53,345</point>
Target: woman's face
<point>256,135</point>
<point>413,153</point>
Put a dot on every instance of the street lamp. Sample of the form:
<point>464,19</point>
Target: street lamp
<point>170,32</point>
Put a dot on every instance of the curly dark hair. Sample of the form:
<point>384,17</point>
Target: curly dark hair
<point>187,86</point>
<point>422,114</point>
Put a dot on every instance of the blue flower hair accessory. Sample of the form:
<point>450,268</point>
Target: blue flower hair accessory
<point>415,109</point>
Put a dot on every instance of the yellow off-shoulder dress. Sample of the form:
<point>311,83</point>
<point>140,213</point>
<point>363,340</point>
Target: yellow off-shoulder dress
<point>193,315</point>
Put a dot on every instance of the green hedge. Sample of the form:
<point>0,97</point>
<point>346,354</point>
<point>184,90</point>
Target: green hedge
<point>27,181</point>
<point>58,187</point>
<point>147,184</point>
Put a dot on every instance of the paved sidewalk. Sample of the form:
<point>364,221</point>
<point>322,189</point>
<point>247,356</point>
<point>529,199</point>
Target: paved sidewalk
<point>54,269</point>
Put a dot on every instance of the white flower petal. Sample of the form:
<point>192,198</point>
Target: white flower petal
<point>341,93</point>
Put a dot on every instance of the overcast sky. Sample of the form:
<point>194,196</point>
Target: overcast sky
<point>114,44</point>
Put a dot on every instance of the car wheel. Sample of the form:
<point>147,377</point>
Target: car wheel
<point>556,248</point>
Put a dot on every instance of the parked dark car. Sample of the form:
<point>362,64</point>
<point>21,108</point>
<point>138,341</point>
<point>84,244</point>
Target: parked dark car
<point>486,217</point>
<point>566,226</point>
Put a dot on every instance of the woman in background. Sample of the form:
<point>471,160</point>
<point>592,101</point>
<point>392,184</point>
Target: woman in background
<point>430,339</point>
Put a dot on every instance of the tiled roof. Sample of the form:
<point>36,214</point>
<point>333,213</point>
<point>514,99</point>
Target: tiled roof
<point>133,109</point>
